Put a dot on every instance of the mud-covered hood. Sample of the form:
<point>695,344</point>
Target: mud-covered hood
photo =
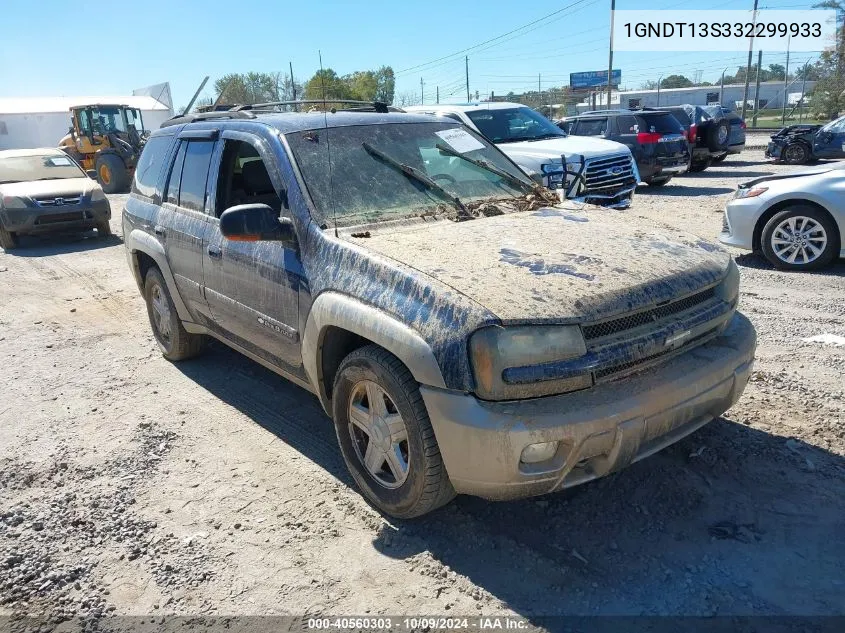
<point>68,187</point>
<point>532,154</point>
<point>555,265</point>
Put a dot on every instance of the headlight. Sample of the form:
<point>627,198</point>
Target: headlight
<point>13,202</point>
<point>728,289</point>
<point>750,193</point>
<point>494,349</point>
<point>97,195</point>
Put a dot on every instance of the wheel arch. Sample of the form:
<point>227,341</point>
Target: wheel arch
<point>779,206</point>
<point>338,324</point>
<point>144,252</point>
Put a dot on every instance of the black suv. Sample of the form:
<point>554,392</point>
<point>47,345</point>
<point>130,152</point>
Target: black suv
<point>655,138</point>
<point>466,331</point>
<point>708,135</point>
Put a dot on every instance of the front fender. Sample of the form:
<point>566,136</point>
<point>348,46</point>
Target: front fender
<point>139,241</point>
<point>341,311</point>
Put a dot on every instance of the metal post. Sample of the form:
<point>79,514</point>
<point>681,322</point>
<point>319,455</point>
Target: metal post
<point>610,56</point>
<point>438,95</point>
<point>292,82</point>
<point>422,94</point>
<point>803,86</point>
<point>748,66</point>
<point>757,89</point>
<point>658,90</point>
<point>785,79</point>
<point>722,88</point>
<point>466,61</point>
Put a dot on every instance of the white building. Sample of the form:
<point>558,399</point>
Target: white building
<point>42,121</point>
<point>771,96</point>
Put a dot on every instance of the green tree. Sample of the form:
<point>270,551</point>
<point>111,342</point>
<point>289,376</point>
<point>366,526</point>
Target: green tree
<point>676,81</point>
<point>254,87</point>
<point>326,84</point>
<point>385,84</point>
<point>361,85</point>
<point>777,72</point>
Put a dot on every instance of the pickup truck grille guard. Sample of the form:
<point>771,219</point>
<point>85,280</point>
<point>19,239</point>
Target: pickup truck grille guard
<point>631,343</point>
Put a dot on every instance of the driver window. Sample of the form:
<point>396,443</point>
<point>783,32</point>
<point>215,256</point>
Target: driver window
<point>84,121</point>
<point>244,179</point>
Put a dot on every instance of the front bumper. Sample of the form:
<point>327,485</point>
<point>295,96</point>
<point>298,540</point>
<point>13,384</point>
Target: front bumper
<point>34,220</point>
<point>600,430</point>
<point>740,219</point>
<point>774,151</point>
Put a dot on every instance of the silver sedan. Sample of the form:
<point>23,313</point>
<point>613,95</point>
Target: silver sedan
<point>796,220</point>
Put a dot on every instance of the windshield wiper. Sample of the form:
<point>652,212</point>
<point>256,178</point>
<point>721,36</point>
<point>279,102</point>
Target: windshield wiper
<point>419,176</point>
<point>491,168</point>
<point>545,136</point>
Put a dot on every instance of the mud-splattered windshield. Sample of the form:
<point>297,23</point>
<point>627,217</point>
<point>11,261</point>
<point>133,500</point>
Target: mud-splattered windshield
<point>44,167</point>
<point>366,182</point>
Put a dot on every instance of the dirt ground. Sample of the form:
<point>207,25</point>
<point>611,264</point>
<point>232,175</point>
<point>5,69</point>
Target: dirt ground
<point>130,485</point>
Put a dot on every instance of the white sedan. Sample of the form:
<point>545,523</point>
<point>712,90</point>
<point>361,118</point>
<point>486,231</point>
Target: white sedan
<point>796,220</point>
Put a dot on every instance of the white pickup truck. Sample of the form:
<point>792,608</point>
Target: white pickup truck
<point>608,171</point>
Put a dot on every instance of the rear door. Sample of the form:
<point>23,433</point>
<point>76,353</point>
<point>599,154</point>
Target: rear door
<point>184,220</point>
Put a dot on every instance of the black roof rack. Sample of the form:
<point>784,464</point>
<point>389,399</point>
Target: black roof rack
<point>205,116</point>
<point>365,106</point>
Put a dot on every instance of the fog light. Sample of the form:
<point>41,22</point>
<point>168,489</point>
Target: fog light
<point>534,453</point>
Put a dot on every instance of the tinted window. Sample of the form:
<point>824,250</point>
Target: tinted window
<point>628,124</point>
<point>680,115</point>
<point>662,123</point>
<point>175,179</point>
<point>195,175</point>
<point>149,165</point>
<point>591,127</point>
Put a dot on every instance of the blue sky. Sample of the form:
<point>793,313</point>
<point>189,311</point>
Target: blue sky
<point>44,50</point>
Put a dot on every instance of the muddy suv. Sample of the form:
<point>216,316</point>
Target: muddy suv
<point>465,332</point>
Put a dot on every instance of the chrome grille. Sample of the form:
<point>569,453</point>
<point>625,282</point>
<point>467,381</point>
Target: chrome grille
<point>58,201</point>
<point>652,315</point>
<point>603,174</point>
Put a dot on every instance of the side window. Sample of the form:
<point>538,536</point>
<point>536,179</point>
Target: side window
<point>149,165</point>
<point>244,178</point>
<point>592,127</point>
<point>84,121</point>
<point>176,175</point>
<point>628,124</point>
<point>195,175</point>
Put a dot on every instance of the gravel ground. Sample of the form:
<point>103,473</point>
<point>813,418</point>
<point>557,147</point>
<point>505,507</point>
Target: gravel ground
<point>130,485</point>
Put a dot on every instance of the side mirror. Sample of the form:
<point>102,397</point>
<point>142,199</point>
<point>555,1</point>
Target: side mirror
<point>255,222</point>
<point>91,174</point>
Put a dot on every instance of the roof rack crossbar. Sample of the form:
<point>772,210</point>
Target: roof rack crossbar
<point>377,106</point>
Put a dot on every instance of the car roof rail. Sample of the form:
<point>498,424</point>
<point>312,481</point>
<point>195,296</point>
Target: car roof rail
<point>207,116</point>
<point>363,106</point>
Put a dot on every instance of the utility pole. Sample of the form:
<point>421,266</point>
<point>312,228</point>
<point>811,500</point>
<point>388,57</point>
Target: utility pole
<point>785,85</point>
<point>438,95</point>
<point>292,82</point>
<point>610,57</point>
<point>748,65</point>
<point>722,88</point>
<point>658,89</point>
<point>803,86</point>
<point>757,89</point>
<point>422,94</point>
<point>539,91</point>
<point>466,61</point>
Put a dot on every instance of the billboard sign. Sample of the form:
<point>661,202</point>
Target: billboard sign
<point>594,79</point>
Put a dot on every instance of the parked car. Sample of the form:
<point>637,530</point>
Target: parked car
<point>803,143</point>
<point>44,190</point>
<point>655,138</point>
<point>607,171</point>
<point>736,133</point>
<point>381,261</point>
<point>796,220</point>
<point>708,136</point>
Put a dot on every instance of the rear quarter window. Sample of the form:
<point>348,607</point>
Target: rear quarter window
<point>661,123</point>
<point>150,164</point>
<point>591,127</point>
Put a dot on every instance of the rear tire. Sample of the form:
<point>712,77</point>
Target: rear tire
<point>720,159</point>
<point>658,182</point>
<point>815,231</point>
<point>8,240</point>
<point>701,166</point>
<point>411,450</point>
<point>112,173</point>
<point>718,136</point>
<point>172,338</point>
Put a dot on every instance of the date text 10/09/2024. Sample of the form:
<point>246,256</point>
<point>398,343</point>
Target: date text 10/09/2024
<point>478,623</point>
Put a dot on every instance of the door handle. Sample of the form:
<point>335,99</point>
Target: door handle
<point>159,230</point>
<point>215,252</point>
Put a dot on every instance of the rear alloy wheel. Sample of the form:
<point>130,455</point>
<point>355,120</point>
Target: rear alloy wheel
<point>174,341</point>
<point>800,238</point>
<point>796,154</point>
<point>8,240</point>
<point>103,229</point>
<point>658,182</point>
<point>385,435</point>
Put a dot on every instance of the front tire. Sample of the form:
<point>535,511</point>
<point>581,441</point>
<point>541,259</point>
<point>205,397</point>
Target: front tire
<point>174,341</point>
<point>8,240</point>
<point>800,238</point>
<point>796,154</point>
<point>386,437</point>
<point>112,173</point>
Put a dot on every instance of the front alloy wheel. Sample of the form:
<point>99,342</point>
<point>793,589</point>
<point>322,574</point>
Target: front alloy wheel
<point>379,436</point>
<point>799,238</point>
